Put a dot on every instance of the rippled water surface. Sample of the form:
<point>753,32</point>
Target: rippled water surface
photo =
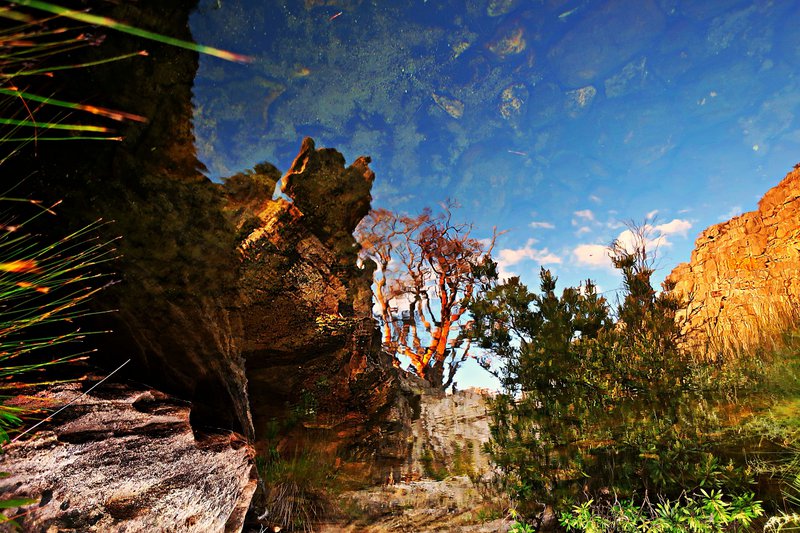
<point>555,119</point>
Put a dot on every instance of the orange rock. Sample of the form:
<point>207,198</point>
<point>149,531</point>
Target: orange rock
<point>742,284</point>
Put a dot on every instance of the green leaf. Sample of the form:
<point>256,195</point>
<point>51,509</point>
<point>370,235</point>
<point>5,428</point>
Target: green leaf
<point>18,502</point>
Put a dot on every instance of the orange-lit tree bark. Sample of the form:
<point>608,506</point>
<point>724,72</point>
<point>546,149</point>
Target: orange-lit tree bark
<point>423,283</point>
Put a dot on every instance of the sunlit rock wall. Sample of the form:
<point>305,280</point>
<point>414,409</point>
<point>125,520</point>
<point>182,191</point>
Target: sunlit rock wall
<point>449,434</point>
<point>742,285</point>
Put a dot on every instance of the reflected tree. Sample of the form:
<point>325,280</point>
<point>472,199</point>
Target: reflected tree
<point>424,281</point>
<point>599,399</point>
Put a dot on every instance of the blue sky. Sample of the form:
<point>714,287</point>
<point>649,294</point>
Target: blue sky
<point>556,120</point>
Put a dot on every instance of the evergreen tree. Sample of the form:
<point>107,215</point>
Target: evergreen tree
<point>597,398</point>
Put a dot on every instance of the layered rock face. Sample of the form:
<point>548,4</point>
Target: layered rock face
<point>449,434</point>
<point>125,458</point>
<point>742,284</point>
<point>454,505</point>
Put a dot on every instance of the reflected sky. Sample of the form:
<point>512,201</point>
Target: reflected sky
<point>558,120</point>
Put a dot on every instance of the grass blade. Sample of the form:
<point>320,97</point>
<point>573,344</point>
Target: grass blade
<point>125,28</point>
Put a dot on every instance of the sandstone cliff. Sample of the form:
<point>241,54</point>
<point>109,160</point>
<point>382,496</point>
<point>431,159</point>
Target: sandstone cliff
<point>742,285</point>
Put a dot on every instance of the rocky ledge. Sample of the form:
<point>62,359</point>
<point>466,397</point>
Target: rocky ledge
<point>124,458</point>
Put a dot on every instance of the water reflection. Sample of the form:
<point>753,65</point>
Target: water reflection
<point>570,114</point>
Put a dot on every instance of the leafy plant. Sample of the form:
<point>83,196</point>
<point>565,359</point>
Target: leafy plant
<point>599,398</point>
<point>489,513</point>
<point>43,291</point>
<point>519,525</point>
<point>463,460</point>
<point>704,511</point>
<point>431,465</point>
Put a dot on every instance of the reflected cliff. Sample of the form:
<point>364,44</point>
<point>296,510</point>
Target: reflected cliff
<point>244,304</point>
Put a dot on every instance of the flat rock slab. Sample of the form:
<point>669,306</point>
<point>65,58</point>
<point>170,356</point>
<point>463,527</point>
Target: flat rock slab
<point>452,505</point>
<point>125,459</point>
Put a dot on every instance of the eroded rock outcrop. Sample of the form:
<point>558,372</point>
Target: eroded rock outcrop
<point>125,458</point>
<point>305,309</point>
<point>454,505</point>
<point>742,284</point>
<point>255,310</point>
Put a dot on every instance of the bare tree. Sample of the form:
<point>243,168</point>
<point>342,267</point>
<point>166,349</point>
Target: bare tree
<point>424,281</point>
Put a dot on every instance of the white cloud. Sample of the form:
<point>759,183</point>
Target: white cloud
<point>595,199</point>
<point>597,256</point>
<point>508,257</point>
<point>585,214</point>
<point>503,274</point>
<point>651,214</point>
<point>542,225</point>
<point>629,240</point>
<point>583,230</point>
<point>592,255</point>
<point>734,212</point>
<point>657,236</point>
<point>512,256</point>
<point>675,226</point>
<point>615,224</point>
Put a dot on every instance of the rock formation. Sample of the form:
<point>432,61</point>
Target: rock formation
<point>125,458</point>
<point>281,331</point>
<point>252,309</point>
<point>742,285</point>
<point>449,434</point>
<point>304,310</point>
<point>454,505</point>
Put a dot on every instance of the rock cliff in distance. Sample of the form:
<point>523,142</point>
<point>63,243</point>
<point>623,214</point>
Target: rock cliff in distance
<point>742,285</point>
